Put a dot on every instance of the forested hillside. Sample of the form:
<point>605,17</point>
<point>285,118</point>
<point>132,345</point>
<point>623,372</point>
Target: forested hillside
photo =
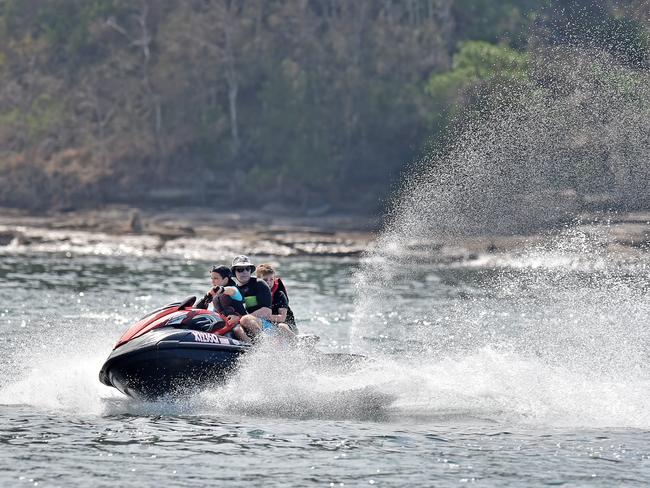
<point>226,102</point>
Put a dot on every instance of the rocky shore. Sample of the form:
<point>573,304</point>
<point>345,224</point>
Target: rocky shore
<point>195,232</point>
<point>262,232</point>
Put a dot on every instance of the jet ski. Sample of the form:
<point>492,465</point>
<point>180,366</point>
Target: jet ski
<point>178,349</point>
<point>172,350</point>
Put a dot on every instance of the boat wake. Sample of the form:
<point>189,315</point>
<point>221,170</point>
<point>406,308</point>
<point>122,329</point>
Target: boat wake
<point>490,384</point>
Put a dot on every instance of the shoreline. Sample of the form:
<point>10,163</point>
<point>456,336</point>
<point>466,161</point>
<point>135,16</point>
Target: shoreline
<point>257,232</point>
<point>186,231</point>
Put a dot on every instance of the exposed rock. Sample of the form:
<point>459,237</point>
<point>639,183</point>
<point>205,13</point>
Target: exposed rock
<point>204,231</point>
<point>167,233</point>
<point>6,237</point>
<point>135,222</point>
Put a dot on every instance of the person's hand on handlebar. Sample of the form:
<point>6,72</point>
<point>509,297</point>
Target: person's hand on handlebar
<point>216,291</point>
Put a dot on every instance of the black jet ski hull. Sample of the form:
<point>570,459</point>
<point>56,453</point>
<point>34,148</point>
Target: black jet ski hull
<point>169,361</point>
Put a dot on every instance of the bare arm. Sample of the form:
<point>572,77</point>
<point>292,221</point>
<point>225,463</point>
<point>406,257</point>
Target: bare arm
<point>230,290</point>
<point>262,313</point>
<point>223,290</point>
<point>280,317</point>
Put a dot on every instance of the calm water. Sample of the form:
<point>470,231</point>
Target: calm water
<point>498,373</point>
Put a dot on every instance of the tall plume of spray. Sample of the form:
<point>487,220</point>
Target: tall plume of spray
<point>578,127</point>
<point>575,131</point>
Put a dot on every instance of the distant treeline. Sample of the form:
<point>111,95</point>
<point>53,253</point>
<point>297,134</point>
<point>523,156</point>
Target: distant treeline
<point>240,103</point>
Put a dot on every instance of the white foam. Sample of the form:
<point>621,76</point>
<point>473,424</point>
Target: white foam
<point>492,384</point>
<point>65,381</point>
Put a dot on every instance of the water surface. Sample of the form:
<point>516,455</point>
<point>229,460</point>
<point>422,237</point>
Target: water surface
<point>493,373</point>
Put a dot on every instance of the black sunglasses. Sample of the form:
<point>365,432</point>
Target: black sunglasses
<point>241,270</point>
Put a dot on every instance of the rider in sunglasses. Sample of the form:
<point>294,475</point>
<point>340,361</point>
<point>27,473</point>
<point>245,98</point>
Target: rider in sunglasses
<point>257,297</point>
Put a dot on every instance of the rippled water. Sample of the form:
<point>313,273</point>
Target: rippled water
<point>501,371</point>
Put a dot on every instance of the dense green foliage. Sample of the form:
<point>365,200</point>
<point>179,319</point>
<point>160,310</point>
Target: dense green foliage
<point>302,101</point>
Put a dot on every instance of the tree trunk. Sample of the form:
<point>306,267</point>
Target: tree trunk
<point>233,88</point>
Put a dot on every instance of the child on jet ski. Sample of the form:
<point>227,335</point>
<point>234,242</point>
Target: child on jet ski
<point>226,299</point>
<point>257,299</point>
<point>280,311</point>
